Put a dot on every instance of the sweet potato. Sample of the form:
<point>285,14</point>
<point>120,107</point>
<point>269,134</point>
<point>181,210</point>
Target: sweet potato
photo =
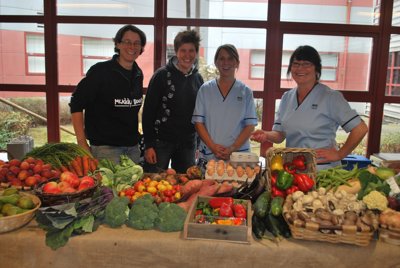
<point>191,187</point>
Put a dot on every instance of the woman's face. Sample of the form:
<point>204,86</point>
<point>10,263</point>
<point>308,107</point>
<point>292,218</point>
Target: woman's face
<point>129,47</point>
<point>186,55</point>
<point>303,72</point>
<point>226,64</point>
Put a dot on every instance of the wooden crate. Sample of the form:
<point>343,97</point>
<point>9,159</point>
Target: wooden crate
<point>217,232</point>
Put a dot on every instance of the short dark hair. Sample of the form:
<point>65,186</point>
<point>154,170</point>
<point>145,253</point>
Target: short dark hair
<point>307,53</point>
<point>188,36</point>
<point>231,49</point>
<point>118,36</point>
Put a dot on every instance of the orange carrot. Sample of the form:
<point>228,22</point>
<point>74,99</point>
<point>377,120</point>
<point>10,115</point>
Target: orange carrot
<point>72,169</point>
<point>85,164</point>
<point>64,168</point>
<point>77,165</point>
<point>93,164</point>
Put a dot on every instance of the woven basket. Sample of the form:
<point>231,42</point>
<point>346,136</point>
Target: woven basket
<point>49,199</point>
<point>10,223</point>
<point>348,234</point>
<point>288,154</point>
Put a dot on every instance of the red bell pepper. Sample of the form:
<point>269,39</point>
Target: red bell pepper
<point>289,167</point>
<point>292,189</point>
<point>226,210</point>
<point>274,176</point>
<point>303,182</point>
<point>216,202</point>
<point>276,192</point>
<point>299,162</point>
<point>239,211</point>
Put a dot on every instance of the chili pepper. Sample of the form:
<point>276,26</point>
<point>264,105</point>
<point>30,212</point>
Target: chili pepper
<point>207,211</point>
<point>277,162</point>
<point>237,221</point>
<point>289,167</point>
<point>284,180</point>
<point>198,212</point>
<point>299,162</point>
<point>216,202</point>
<point>276,192</point>
<point>303,182</point>
<point>239,211</point>
<point>292,189</point>
<point>225,210</point>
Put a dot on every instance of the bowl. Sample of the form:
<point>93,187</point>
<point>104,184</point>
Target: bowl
<point>10,223</point>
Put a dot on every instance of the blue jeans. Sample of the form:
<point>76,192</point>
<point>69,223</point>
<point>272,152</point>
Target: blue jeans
<point>181,155</point>
<point>113,152</point>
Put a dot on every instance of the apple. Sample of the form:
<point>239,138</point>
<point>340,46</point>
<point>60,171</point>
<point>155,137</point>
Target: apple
<point>24,165</point>
<point>51,188</point>
<point>62,185</point>
<point>31,181</point>
<point>171,171</point>
<point>71,178</point>
<point>86,182</point>
<point>69,190</point>
<point>23,174</point>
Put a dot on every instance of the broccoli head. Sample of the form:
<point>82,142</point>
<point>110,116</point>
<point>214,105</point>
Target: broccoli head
<point>115,213</point>
<point>171,217</point>
<point>143,213</point>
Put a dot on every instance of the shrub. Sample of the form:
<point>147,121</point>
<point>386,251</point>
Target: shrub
<point>13,124</point>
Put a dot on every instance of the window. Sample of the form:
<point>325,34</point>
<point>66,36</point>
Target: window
<point>257,64</point>
<point>35,54</point>
<point>95,50</point>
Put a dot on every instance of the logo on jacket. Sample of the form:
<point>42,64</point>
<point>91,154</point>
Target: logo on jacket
<point>126,102</point>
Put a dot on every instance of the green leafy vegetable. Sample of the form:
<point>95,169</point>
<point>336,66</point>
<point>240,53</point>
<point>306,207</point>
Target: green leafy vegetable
<point>171,217</point>
<point>371,182</point>
<point>143,213</point>
<point>115,214</point>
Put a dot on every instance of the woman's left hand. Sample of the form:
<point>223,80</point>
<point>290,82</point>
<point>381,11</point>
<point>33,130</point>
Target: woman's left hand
<point>326,155</point>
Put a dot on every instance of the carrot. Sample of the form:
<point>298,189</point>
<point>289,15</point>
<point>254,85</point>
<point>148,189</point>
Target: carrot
<point>85,164</point>
<point>77,165</point>
<point>64,168</point>
<point>93,164</point>
<point>72,169</point>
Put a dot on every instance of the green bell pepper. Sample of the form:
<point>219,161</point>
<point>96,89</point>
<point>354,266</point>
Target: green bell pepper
<point>284,180</point>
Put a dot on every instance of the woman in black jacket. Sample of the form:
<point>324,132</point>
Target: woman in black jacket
<point>106,102</point>
<point>168,132</point>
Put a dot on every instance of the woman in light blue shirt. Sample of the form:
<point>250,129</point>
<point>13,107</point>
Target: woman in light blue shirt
<point>225,114</point>
<point>309,115</point>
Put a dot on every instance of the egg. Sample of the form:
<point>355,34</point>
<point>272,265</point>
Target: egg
<point>249,172</point>
<point>239,171</point>
<point>220,170</point>
<point>210,171</point>
<point>257,169</point>
<point>230,170</point>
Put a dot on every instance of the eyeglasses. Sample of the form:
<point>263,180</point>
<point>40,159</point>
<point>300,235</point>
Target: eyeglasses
<point>130,43</point>
<point>305,64</point>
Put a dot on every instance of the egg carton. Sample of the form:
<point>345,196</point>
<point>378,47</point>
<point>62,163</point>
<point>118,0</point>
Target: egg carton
<point>228,171</point>
<point>244,159</point>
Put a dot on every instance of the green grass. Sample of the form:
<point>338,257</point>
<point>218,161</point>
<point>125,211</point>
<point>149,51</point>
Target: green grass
<point>39,135</point>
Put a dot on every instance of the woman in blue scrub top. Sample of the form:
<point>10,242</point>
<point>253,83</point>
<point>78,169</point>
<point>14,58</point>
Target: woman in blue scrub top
<point>309,115</point>
<point>224,114</point>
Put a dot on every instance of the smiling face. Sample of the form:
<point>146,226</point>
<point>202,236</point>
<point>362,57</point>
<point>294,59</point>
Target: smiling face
<point>186,55</point>
<point>226,64</point>
<point>129,48</point>
<point>303,72</point>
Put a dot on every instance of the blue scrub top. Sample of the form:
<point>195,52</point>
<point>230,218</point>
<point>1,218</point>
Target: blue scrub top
<point>313,123</point>
<point>226,117</point>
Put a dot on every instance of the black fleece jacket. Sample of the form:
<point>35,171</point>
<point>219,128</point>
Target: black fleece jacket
<point>110,97</point>
<point>169,105</point>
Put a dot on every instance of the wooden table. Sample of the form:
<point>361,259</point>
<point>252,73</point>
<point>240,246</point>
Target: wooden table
<point>126,247</point>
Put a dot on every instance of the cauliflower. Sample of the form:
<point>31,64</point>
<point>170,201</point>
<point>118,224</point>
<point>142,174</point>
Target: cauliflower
<point>116,212</point>
<point>143,213</point>
<point>375,200</point>
<point>171,217</point>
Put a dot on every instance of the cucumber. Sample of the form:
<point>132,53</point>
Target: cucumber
<point>277,205</point>
<point>261,206</point>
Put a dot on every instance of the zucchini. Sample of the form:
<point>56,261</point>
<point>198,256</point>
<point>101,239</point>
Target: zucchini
<point>277,205</point>
<point>258,226</point>
<point>272,225</point>
<point>261,206</point>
